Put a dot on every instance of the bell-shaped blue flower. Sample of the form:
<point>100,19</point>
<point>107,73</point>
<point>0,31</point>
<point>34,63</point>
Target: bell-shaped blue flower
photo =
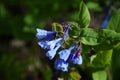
<point>78,60</point>
<point>51,53</point>
<point>75,57</point>
<point>64,54</point>
<point>60,64</point>
<point>46,44</point>
<point>72,56</point>
<point>43,44</point>
<point>43,33</point>
<point>51,44</point>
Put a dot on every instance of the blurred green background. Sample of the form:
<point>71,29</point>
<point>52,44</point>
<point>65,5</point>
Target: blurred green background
<point>20,56</point>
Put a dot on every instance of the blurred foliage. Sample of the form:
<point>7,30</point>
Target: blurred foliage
<point>10,68</point>
<point>100,75</point>
<point>22,17</point>
<point>19,20</point>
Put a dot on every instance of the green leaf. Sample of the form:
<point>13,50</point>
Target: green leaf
<point>107,39</point>
<point>89,36</point>
<point>114,23</point>
<point>102,58</point>
<point>116,63</point>
<point>57,27</point>
<point>84,16</point>
<point>74,75</point>
<point>99,75</point>
<point>75,30</point>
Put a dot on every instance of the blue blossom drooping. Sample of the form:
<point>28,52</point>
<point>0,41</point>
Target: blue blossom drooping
<point>60,64</point>
<point>43,33</point>
<point>46,44</point>
<point>51,53</point>
<point>77,60</point>
<point>75,57</point>
<point>43,44</point>
<point>53,40</point>
<point>64,54</point>
<point>72,56</point>
<point>52,44</point>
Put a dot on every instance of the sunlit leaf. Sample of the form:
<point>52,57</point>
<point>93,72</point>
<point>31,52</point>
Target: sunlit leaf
<point>107,39</point>
<point>84,16</point>
<point>114,23</point>
<point>103,37</point>
<point>89,36</point>
<point>102,58</point>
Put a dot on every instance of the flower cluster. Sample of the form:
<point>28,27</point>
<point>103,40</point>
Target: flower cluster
<point>52,41</point>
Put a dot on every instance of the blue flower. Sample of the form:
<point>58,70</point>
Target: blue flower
<point>60,64</point>
<point>72,56</point>
<point>46,44</point>
<point>64,54</point>
<point>43,33</point>
<point>66,33</point>
<point>51,53</point>
<point>48,41</point>
<point>78,60</point>
<point>75,57</point>
<point>105,22</point>
<point>43,44</point>
<point>51,44</point>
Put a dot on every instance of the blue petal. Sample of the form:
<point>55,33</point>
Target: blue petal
<point>43,44</point>
<point>43,33</point>
<point>64,54</point>
<point>66,34</point>
<point>105,22</point>
<point>78,60</point>
<point>52,44</point>
<point>46,44</point>
<point>51,53</point>
<point>72,47</point>
<point>72,56</point>
<point>61,65</point>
